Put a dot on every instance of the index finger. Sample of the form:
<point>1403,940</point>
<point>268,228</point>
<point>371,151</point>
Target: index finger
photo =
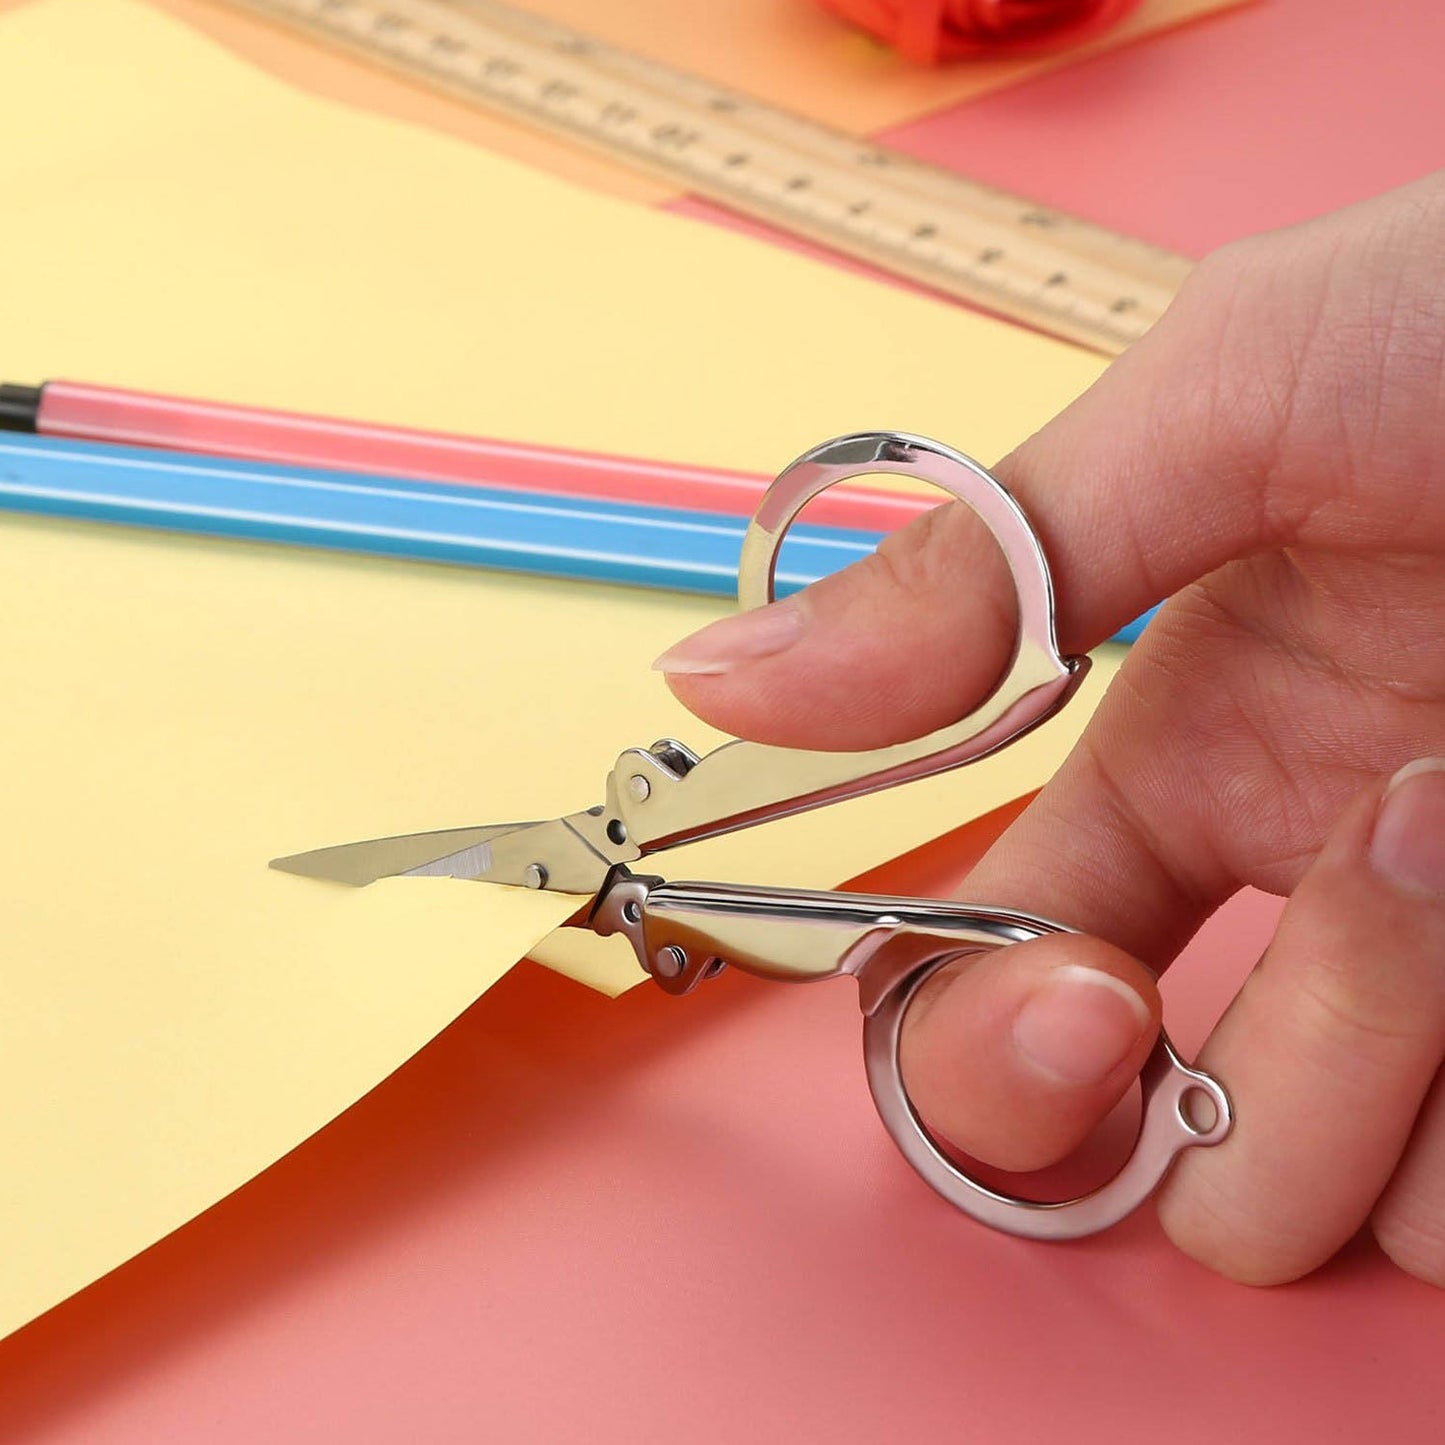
<point>1226,431</point>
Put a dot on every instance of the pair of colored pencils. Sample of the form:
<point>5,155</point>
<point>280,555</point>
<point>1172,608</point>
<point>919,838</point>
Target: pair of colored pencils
<point>105,454</point>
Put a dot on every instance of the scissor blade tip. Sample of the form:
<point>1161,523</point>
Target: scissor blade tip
<point>309,865</point>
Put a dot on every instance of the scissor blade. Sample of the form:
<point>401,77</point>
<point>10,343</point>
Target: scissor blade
<point>413,853</point>
<point>552,855</point>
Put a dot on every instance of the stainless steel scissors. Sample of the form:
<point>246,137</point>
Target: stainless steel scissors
<point>663,796</point>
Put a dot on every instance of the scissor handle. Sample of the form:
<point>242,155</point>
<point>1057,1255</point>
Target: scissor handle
<point>683,932</point>
<point>1180,1108</point>
<point>903,454</point>
<point>742,783</point>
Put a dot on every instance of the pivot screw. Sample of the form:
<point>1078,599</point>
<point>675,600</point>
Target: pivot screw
<point>535,876</point>
<point>639,787</point>
<point>670,961</point>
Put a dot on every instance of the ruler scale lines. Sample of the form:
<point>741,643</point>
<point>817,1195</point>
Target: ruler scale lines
<point>973,242</point>
<point>833,147</point>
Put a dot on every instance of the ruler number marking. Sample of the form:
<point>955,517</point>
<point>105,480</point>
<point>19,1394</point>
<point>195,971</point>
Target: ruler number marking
<point>674,136</point>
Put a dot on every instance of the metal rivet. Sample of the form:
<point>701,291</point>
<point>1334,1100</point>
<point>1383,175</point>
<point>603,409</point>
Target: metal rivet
<point>670,961</point>
<point>639,787</point>
<point>535,876</point>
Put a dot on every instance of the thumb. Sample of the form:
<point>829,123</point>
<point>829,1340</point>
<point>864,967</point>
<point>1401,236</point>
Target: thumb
<point>1016,1054</point>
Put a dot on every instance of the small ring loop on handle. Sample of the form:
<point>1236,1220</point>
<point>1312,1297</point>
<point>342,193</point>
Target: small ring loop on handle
<point>906,455</point>
<point>1167,1126</point>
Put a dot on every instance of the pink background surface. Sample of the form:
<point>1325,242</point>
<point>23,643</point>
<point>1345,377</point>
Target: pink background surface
<point>661,1220</point>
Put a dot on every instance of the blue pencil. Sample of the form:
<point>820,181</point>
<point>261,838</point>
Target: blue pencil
<point>581,538</point>
<point>586,539</point>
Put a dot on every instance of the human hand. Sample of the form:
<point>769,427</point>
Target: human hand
<point>1272,458</point>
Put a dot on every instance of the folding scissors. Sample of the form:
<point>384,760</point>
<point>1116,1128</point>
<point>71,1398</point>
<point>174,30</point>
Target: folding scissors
<point>665,795</point>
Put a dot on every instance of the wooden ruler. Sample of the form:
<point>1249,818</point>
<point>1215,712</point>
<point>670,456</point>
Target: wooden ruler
<point>998,251</point>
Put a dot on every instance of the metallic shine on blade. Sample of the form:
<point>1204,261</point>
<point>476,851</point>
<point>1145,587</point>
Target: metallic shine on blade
<point>473,862</point>
<point>551,855</point>
<point>419,854</point>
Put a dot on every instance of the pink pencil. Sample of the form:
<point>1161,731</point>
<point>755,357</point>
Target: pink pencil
<point>133,418</point>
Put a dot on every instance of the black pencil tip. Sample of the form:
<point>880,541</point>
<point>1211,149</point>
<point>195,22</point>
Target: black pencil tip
<point>19,407</point>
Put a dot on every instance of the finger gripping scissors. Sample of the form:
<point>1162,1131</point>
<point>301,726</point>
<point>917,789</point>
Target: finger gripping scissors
<point>665,795</point>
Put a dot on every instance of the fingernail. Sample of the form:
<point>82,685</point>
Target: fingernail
<point>1080,1026</point>
<point>721,646</point>
<point>1408,849</point>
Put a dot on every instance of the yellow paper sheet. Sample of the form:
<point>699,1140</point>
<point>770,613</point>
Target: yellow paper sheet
<point>175,1016</point>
